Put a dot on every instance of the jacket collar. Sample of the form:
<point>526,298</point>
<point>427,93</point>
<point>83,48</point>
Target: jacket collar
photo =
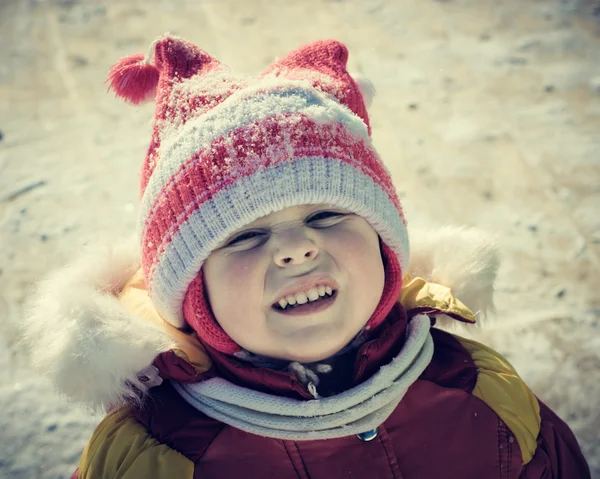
<point>349,370</point>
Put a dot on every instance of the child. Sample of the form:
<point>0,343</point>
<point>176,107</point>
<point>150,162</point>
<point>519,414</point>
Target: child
<point>275,327</point>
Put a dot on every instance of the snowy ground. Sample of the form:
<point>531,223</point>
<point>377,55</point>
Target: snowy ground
<point>487,114</point>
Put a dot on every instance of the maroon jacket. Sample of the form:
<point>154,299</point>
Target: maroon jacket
<point>439,429</point>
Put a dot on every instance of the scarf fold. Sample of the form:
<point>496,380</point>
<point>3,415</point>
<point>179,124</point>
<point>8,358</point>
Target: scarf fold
<point>359,409</point>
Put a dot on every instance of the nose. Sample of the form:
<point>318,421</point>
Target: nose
<point>295,249</point>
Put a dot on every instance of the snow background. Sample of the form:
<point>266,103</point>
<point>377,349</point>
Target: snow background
<point>487,114</point>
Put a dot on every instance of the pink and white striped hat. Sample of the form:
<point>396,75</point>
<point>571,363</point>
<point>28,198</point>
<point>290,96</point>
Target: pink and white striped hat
<point>227,150</point>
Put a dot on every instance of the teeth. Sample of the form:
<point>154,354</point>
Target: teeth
<point>301,298</point>
<point>291,299</point>
<point>313,294</point>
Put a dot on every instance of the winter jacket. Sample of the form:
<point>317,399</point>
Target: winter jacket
<point>468,415</point>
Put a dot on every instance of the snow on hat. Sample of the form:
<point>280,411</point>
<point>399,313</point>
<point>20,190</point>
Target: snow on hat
<point>227,150</point>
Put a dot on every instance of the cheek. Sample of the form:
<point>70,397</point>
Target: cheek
<point>358,253</point>
<point>358,250</point>
<point>237,272</point>
<point>233,283</point>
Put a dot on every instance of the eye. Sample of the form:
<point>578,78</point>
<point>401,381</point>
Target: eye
<point>322,219</point>
<point>246,237</point>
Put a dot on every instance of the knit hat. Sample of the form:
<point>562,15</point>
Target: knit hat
<point>227,150</point>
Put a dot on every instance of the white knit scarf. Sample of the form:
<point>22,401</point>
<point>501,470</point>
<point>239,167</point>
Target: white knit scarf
<point>359,409</point>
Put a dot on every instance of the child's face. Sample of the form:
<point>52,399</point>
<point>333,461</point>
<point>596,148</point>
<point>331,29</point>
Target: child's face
<point>295,250</point>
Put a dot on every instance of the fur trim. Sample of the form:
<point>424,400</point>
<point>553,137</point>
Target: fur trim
<point>366,87</point>
<point>82,339</point>
<point>463,259</point>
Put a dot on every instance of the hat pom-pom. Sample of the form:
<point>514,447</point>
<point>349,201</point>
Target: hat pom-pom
<point>133,79</point>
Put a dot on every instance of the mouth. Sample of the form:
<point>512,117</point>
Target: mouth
<point>308,307</point>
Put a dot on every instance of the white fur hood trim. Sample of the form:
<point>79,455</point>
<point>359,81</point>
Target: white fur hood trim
<point>80,336</point>
<point>463,259</point>
<point>92,350</point>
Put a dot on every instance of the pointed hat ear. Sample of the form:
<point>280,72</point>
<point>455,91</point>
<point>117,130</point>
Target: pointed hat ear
<point>178,99</point>
<point>135,78</point>
<point>323,63</point>
<point>184,80</point>
<point>178,59</point>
